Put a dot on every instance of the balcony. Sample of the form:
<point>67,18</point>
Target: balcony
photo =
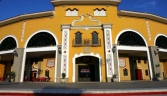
<point>86,42</point>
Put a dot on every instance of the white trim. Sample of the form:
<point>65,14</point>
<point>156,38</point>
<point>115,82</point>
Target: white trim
<point>158,36</point>
<point>126,30</point>
<point>23,66</point>
<point>6,52</point>
<point>12,37</point>
<point>80,55</point>
<point>108,50</point>
<point>56,55</point>
<point>149,62</point>
<point>162,50</point>
<point>51,33</point>
<point>134,48</point>
<point>65,49</point>
<point>82,17</point>
<point>86,27</point>
<point>37,49</point>
<point>118,64</point>
<point>26,16</point>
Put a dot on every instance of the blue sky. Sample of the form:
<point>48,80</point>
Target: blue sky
<point>11,8</point>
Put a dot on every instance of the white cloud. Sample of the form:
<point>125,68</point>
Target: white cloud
<point>150,4</point>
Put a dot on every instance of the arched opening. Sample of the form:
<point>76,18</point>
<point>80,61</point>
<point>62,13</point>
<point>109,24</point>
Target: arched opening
<point>87,69</point>
<point>40,52</point>
<point>131,38</point>
<point>8,44</point>
<point>41,39</point>
<point>161,42</point>
<point>133,56</point>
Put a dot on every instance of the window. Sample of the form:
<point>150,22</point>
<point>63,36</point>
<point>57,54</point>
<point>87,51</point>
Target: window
<point>73,12</point>
<point>78,38</point>
<point>94,38</point>
<point>139,60</point>
<point>125,72</point>
<point>146,72</point>
<point>98,12</point>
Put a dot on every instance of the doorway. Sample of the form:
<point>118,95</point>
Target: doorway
<point>138,73</point>
<point>33,74</point>
<point>87,69</point>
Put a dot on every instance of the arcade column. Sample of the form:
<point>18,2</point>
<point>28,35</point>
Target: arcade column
<point>18,64</point>
<point>154,58</point>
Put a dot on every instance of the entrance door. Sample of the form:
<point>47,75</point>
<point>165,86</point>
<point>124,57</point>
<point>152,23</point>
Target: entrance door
<point>138,74</point>
<point>84,73</point>
<point>33,75</point>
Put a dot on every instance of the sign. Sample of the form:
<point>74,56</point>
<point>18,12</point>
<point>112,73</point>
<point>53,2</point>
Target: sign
<point>50,63</point>
<point>122,63</point>
<point>85,70</point>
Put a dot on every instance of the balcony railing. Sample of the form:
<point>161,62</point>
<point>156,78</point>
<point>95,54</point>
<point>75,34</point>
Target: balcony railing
<point>86,42</point>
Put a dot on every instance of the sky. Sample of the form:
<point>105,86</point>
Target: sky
<point>11,8</point>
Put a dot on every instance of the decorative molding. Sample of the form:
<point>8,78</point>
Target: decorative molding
<point>83,2</point>
<point>17,44</point>
<point>65,48</point>
<point>109,63</point>
<point>157,37</point>
<point>23,30</point>
<point>126,30</point>
<point>148,30</point>
<point>91,54</point>
<point>108,52</point>
<point>57,43</point>
<point>142,15</point>
<point>85,26</point>
<point>26,16</point>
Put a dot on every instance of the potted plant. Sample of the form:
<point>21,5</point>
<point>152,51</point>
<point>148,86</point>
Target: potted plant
<point>114,78</point>
<point>158,76</point>
<point>63,77</point>
<point>12,76</point>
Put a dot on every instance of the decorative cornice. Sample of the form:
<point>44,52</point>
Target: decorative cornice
<point>85,2</point>
<point>26,16</point>
<point>142,15</point>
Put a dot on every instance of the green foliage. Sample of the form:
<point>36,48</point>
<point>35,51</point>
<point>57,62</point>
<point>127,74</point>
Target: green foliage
<point>63,75</point>
<point>114,76</point>
<point>157,74</point>
<point>13,74</point>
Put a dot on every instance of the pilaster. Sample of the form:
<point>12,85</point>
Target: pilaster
<point>65,49</point>
<point>108,51</point>
<point>154,58</point>
<point>18,65</point>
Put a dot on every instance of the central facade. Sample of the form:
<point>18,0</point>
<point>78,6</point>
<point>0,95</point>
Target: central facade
<point>88,40</point>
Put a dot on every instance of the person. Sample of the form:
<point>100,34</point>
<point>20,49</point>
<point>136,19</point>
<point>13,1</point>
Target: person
<point>7,78</point>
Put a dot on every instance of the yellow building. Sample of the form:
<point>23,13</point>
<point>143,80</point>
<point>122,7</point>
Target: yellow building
<point>88,40</point>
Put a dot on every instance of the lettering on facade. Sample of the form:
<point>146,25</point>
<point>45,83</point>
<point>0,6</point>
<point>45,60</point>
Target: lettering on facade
<point>50,63</point>
<point>23,29</point>
<point>148,30</point>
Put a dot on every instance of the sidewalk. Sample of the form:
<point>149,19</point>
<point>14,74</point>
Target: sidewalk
<point>146,88</point>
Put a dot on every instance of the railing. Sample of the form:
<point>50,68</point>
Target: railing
<point>86,42</point>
